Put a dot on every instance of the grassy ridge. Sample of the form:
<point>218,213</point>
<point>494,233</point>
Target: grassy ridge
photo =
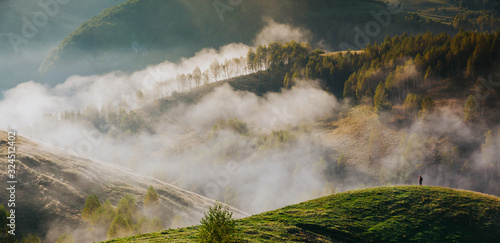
<point>385,214</point>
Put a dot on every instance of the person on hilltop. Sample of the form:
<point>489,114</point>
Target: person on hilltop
<point>420,179</point>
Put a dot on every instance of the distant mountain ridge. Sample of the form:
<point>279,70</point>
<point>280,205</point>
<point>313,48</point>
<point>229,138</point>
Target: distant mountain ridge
<point>30,29</point>
<point>139,33</point>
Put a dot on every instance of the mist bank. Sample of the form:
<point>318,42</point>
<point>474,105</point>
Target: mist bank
<point>52,187</point>
<point>259,151</point>
<point>199,144</point>
<point>38,112</point>
<point>194,143</point>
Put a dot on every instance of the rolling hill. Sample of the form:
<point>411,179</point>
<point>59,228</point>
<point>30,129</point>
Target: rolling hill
<point>138,33</point>
<point>385,214</point>
<point>53,184</point>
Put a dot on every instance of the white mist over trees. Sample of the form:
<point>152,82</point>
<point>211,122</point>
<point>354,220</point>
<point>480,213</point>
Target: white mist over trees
<point>262,150</point>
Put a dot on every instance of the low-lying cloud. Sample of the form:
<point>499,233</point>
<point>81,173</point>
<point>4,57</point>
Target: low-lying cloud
<point>280,32</point>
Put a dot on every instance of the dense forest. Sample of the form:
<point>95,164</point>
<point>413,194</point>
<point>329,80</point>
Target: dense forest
<point>388,71</point>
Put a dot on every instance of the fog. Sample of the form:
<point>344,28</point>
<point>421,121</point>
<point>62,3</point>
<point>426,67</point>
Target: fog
<point>174,151</point>
<point>188,148</point>
<point>274,159</point>
<point>444,150</point>
<point>281,33</point>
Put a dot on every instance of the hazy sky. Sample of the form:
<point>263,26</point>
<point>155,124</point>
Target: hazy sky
<point>29,29</point>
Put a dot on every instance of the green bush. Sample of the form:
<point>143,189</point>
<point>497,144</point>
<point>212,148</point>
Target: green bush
<point>217,225</point>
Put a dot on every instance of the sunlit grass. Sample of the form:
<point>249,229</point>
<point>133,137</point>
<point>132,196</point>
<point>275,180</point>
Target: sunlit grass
<point>396,214</point>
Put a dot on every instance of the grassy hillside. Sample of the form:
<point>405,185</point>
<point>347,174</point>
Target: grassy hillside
<point>385,214</point>
<point>138,32</point>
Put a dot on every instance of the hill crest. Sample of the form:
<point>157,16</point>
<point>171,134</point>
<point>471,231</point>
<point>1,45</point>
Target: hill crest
<point>384,214</point>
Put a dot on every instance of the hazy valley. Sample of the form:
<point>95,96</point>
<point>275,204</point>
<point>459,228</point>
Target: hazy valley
<point>259,110</point>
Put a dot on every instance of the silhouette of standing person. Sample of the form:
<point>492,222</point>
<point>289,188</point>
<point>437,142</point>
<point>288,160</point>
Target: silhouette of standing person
<point>420,179</point>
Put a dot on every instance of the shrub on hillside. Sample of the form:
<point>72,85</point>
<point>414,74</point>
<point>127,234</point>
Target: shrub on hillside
<point>217,225</point>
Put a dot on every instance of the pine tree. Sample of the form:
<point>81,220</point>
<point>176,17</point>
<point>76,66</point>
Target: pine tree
<point>127,209</point>
<point>428,75</point>
<point>151,198</point>
<point>104,215</point>
<point>120,227</point>
<point>427,106</point>
<point>287,83</point>
<point>411,104</point>
<point>380,99</point>
<point>91,205</point>
<point>380,94</point>
<point>471,109</point>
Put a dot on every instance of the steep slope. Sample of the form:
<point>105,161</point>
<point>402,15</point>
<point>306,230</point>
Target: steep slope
<point>52,187</point>
<point>30,29</point>
<point>138,33</point>
<point>385,214</point>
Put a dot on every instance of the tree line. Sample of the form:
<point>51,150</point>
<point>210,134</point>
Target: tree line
<point>383,73</point>
<point>401,64</point>
<point>107,221</point>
